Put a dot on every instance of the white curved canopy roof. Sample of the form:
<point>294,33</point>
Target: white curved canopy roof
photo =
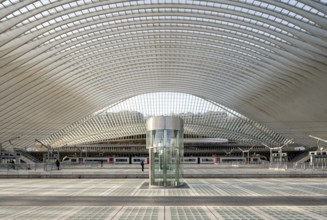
<point>201,118</point>
<point>61,61</point>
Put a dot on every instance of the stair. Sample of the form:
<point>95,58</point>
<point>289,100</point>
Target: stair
<point>301,158</point>
<point>26,157</point>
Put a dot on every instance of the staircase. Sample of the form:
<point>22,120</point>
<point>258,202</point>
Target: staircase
<point>301,158</point>
<point>26,157</point>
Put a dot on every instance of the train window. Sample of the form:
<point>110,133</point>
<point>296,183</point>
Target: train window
<point>73,160</point>
<point>190,160</point>
<point>231,160</point>
<point>137,160</point>
<point>121,160</point>
<point>207,159</point>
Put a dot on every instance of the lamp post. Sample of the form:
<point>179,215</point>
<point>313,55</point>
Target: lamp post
<point>48,147</point>
<point>248,154</point>
<point>317,138</point>
<point>321,158</point>
<point>278,149</point>
<point>229,153</point>
<point>270,154</point>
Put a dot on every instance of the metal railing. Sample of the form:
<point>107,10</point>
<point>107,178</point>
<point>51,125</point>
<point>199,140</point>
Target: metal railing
<point>298,166</point>
<point>239,165</point>
<point>27,155</point>
<point>22,166</point>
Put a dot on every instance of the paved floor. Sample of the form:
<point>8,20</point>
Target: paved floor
<point>285,198</point>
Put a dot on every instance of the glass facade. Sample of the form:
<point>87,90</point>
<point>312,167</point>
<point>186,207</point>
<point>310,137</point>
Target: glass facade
<point>166,150</point>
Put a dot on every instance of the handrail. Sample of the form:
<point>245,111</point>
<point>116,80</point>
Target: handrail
<point>27,155</point>
<point>40,167</point>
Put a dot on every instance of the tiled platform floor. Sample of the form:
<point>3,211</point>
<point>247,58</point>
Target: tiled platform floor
<point>132,187</point>
<point>24,193</point>
<point>163,212</point>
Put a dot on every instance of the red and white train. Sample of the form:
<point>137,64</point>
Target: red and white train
<point>186,160</point>
<point>241,160</point>
<point>105,160</point>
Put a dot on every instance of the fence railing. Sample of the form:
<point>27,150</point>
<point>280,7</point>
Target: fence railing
<point>298,166</point>
<point>238,165</point>
<point>22,166</point>
<point>49,166</point>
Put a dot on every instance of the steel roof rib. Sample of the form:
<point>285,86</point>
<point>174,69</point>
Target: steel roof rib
<point>61,61</point>
<point>238,127</point>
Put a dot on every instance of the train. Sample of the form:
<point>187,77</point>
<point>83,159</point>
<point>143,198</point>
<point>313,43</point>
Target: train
<point>146,160</point>
<point>131,160</point>
<point>105,160</point>
<point>241,160</point>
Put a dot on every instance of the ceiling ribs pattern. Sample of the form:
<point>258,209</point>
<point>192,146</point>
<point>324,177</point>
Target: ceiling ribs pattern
<point>200,117</point>
<point>63,60</point>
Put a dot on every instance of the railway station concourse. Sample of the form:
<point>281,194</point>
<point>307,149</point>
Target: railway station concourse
<point>79,79</point>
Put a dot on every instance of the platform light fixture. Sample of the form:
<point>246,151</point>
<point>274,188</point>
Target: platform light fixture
<point>317,138</point>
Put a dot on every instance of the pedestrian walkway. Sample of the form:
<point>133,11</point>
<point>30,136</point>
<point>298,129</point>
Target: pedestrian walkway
<point>265,198</point>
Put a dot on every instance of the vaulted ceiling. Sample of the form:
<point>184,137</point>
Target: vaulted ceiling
<point>62,61</point>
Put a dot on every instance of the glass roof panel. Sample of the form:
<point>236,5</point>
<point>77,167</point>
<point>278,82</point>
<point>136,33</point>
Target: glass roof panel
<point>171,104</point>
<point>125,6</point>
<point>170,24</point>
<point>198,114</point>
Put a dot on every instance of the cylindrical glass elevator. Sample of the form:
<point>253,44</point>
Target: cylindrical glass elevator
<point>164,139</point>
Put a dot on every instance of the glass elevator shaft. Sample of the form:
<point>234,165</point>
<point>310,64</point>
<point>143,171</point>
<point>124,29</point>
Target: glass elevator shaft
<point>166,150</point>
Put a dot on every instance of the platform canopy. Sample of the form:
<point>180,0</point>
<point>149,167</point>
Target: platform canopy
<point>64,62</point>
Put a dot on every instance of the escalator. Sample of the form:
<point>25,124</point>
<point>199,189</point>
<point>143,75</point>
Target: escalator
<point>26,157</point>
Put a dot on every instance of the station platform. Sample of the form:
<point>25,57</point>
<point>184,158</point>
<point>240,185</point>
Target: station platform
<point>122,192</point>
<point>189,171</point>
<point>211,198</point>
